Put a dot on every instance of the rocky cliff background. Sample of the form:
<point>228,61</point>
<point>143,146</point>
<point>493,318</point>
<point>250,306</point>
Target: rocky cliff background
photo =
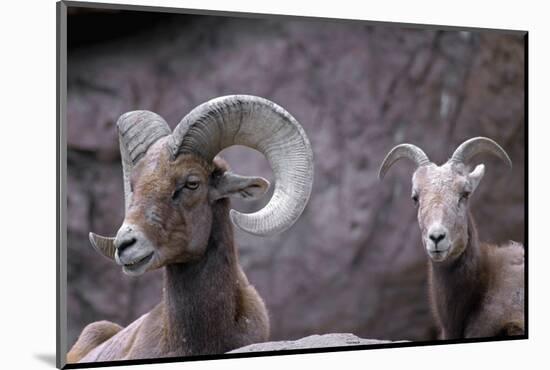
<point>354,261</point>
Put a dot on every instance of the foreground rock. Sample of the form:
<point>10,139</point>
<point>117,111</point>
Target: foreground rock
<point>313,341</point>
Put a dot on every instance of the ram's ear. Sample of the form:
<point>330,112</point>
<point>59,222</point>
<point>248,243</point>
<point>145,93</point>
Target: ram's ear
<point>236,186</point>
<point>476,175</point>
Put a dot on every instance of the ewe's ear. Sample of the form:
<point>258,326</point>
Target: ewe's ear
<point>476,175</point>
<point>236,186</point>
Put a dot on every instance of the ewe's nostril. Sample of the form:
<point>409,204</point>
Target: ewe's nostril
<point>125,244</point>
<point>436,238</point>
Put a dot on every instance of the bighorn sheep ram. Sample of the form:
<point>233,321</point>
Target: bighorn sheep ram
<point>476,289</point>
<point>177,216</point>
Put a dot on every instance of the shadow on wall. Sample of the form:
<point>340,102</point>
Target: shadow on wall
<point>352,262</point>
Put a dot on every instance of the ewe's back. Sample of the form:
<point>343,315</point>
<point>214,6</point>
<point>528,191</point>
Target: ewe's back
<point>503,306</point>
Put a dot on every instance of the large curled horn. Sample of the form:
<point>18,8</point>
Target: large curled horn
<point>403,151</point>
<point>103,244</point>
<point>137,131</point>
<point>262,125</point>
<point>468,149</point>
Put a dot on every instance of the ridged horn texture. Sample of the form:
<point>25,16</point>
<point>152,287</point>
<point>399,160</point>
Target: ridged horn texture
<point>468,149</point>
<point>137,131</point>
<point>103,245</point>
<point>400,151</point>
<point>262,125</point>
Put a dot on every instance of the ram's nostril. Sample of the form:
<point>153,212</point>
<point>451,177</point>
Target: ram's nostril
<point>125,244</point>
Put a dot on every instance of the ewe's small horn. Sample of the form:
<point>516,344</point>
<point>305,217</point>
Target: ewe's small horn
<point>403,151</point>
<point>468,149</point>
<point>103,245</point>
<point>262,125</point>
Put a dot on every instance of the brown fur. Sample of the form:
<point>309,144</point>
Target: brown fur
<point>480,294</point>
<point>478,291</point>
<point>208,305</point>
<point>92,336</point>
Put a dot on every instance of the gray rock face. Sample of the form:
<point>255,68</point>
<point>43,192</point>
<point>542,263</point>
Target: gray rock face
<point>313,341</point>
<point>353,262</point>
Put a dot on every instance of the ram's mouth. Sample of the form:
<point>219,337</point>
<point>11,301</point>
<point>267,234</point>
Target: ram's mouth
<point>138,264</point>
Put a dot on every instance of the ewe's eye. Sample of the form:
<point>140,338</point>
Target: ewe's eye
<point>464,195</point>
<point>415,199</point>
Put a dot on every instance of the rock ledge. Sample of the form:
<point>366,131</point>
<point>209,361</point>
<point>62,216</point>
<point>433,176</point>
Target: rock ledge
<point>313,341</point>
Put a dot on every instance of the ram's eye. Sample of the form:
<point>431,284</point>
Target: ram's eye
<point>415,199</point>
<point>464,195</point>
<point>192,184</point>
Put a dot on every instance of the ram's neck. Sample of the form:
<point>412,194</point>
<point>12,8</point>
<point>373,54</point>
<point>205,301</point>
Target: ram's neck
<point>457,287</point>
<point>200,298</point>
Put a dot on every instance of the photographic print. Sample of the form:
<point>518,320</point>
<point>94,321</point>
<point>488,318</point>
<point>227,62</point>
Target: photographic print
<point>239,184</point>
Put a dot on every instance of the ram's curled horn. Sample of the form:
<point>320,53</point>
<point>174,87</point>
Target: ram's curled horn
<point>468,149</point>
<point>137,131</point>
<point>409,151</point>
<point>104,245</point>
<point>262,125</point>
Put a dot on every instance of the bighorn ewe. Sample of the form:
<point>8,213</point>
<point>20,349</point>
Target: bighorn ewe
<point>476,290</point>
<point>177,217</point>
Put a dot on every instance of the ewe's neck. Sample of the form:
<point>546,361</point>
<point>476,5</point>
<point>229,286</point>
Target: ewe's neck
<point>458,285</point>
<point>200,297</point>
